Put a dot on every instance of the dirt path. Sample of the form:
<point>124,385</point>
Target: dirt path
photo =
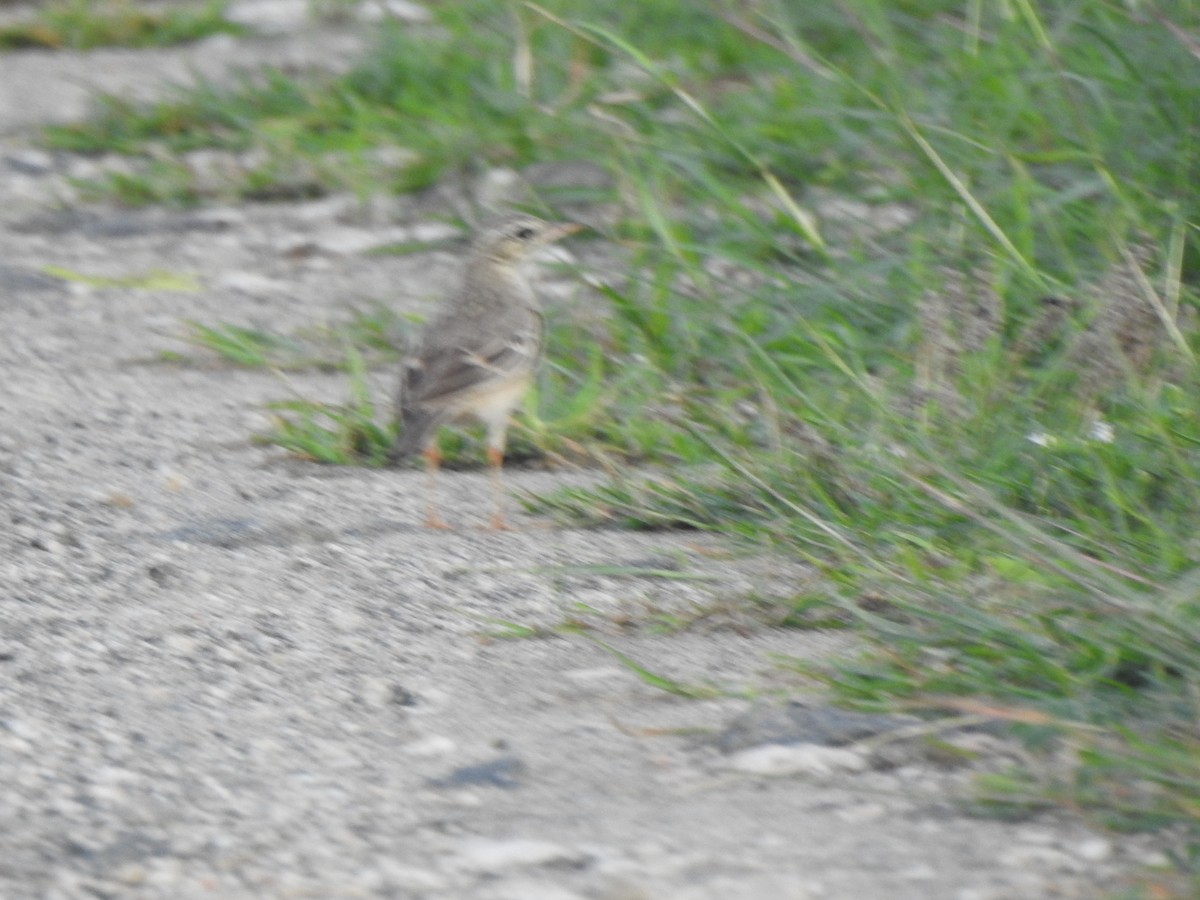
<point>225,674</point>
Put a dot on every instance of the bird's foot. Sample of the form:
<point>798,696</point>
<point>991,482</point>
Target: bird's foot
<point>433,520</point>
<point>498,522</point>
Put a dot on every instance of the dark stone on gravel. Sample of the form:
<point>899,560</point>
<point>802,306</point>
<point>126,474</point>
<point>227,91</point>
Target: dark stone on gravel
<point>229,533</point>
<point>796,723</point>
<point>502,772</point>
<point>106,224</point>
<point>129,846</point>
<point>34,163</point>
<point>16,280</point>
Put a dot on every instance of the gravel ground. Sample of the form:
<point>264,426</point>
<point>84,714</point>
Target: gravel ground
<point>224,673</point>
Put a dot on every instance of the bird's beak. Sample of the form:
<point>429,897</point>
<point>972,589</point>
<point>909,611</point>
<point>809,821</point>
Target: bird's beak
<point>560,230</point>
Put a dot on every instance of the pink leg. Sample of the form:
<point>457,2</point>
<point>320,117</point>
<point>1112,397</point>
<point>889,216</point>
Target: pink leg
<point>433,460</point>
<point>496,462</point>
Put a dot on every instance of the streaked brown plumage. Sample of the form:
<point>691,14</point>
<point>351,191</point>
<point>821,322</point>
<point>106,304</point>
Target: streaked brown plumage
<point>478,355</point>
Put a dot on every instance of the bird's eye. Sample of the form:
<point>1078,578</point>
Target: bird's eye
<point>524,233</point>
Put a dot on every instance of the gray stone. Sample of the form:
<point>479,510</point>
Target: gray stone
<point>799,723</point>
<point>796,759</point>
<point>493,856</point>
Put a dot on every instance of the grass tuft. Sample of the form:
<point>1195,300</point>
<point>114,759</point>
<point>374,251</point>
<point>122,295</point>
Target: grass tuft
<point>87,24</point>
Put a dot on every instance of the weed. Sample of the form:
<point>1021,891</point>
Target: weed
<point>85,24</point>
<point>327,433</point>
<point>376,334</point>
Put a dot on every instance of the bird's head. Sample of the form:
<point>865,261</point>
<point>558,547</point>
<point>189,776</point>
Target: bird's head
<point>514,238</point>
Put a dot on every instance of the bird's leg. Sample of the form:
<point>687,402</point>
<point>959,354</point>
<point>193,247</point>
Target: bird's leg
<point>495,457</point>
<point>433,459</point>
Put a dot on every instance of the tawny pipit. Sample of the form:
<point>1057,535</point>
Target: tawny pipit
<point>478,355</point>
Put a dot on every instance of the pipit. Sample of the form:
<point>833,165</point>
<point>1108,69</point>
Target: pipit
<point>478,355</point>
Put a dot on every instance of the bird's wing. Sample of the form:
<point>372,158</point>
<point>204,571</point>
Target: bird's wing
<point>458,356</point>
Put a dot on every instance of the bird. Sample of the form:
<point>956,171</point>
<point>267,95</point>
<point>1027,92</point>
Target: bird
<point>477,356</point>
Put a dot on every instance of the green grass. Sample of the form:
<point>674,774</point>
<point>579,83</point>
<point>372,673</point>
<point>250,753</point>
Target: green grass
<point>450,105</point>
<point>970,405</point>
<point>376,332</point>
<point>336,433</point>
<point>344,433</point>
<point>87,24</point>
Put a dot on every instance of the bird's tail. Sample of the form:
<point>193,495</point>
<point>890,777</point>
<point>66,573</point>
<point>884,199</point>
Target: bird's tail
<point>415,425</point>
<point>410,442</point>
